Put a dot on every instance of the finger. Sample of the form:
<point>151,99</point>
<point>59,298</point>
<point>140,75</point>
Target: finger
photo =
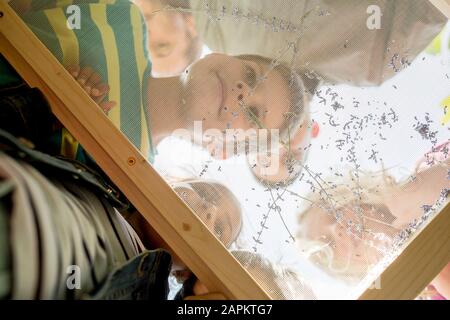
<point>107,106</point>
<point>98,100</point>
<point>84,75</point>
<point>99,93</point>
<point>74,70</point>
<point>87,90</point>
<point>93,81</point>
<point>101,97</point>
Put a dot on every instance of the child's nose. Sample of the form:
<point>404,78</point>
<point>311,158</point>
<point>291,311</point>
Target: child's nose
<point>245,94</point>
<point>238,94</point>
<point>242,90</point>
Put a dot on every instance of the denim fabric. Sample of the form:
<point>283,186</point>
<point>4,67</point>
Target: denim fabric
<point>144,277</point>
<point>78,228</point>
<point>62,169</point>
<point>48,224</point>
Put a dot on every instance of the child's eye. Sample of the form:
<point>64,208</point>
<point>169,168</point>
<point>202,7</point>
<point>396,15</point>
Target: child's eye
<point>250,76</point>
<point>253,116</point>
<point>254,111</point>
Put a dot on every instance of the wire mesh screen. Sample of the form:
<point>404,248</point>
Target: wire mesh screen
<point>311,137</point>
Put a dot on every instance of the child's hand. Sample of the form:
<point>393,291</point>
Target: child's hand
<point>438,155</point>
<point>92,83</point>
<point>201,292</point>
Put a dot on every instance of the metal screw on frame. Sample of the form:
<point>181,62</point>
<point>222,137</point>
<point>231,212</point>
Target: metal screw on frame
<point>131,161</point>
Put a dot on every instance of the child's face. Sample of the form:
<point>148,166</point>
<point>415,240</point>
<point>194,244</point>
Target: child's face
<point>219,90</point>
<point>171,36</point>
<point>226,92</point>
<point>215,206</point>
<point>353,251</point>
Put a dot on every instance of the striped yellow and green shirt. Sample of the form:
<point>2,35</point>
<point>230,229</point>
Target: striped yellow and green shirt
<point>111,40</point>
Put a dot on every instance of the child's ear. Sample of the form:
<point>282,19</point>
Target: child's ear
<point>190,24</point>
<point>315,129</point>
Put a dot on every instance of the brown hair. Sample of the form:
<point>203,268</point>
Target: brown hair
<point>366,189</point>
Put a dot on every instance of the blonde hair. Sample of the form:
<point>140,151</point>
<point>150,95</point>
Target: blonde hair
<point>356,190</point>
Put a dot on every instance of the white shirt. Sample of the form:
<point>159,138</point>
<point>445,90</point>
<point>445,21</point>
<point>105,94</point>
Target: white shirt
<point>336,42</point>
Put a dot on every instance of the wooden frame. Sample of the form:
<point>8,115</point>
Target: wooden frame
<point>443,6</point>
<point>426,255</point>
